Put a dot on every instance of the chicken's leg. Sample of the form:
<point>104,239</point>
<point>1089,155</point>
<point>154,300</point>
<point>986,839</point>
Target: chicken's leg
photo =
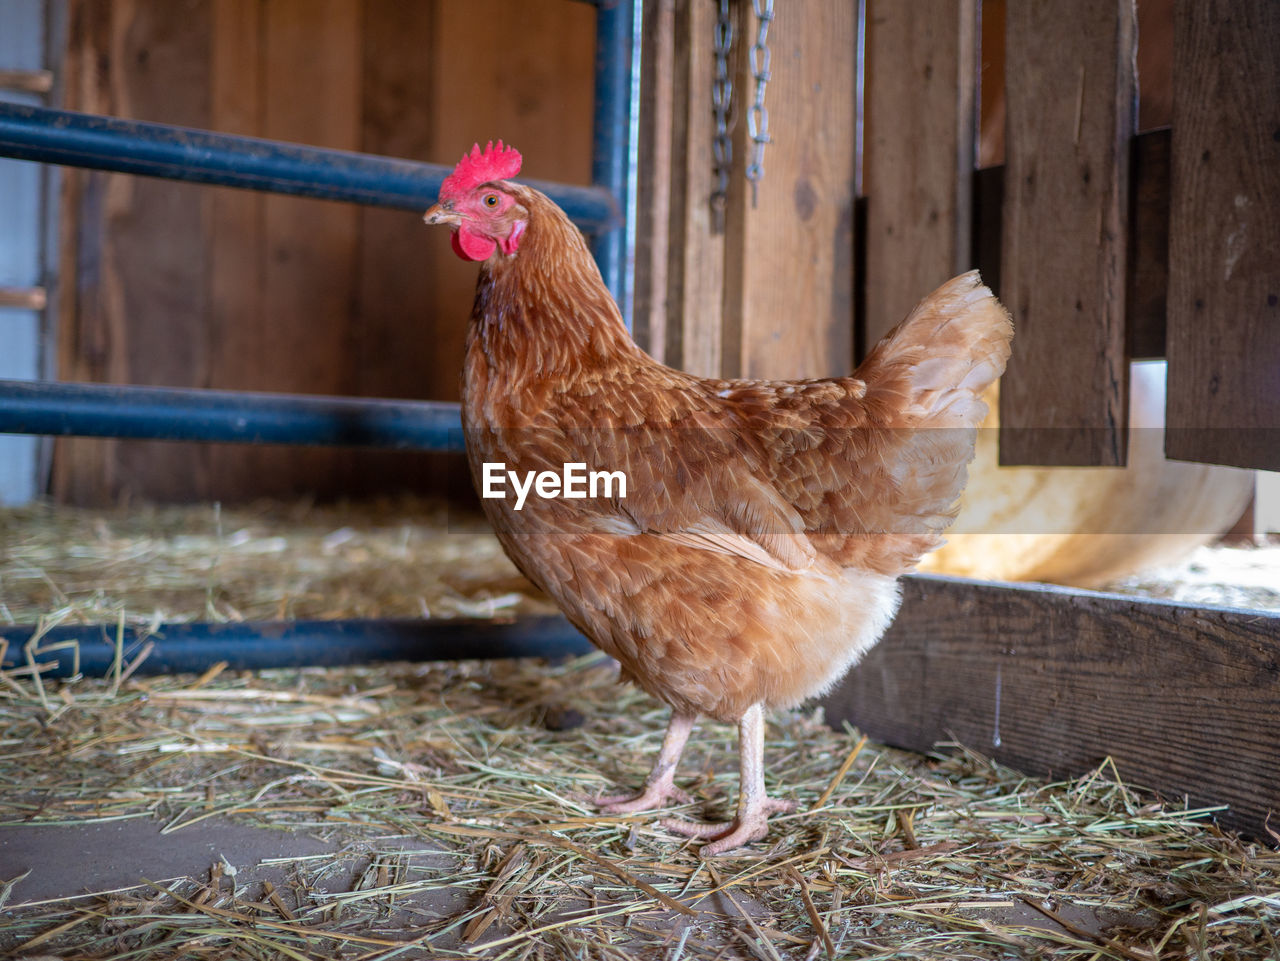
<point>754,806</point>
<point>659,786</point>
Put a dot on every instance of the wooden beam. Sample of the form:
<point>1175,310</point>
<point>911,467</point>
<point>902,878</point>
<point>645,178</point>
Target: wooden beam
<point>25,298</point>
<point>1185,700</point>
<point>1070,89</point>
<point>788,283</point>
<point>1224,269</point>
<point>918,168</point>
<point>27,81</point>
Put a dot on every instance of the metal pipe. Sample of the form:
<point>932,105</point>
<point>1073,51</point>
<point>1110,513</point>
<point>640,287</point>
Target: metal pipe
<point>94,649</point>
<point>161,413</point>
<point>615,134</point>
<point>201,156</point>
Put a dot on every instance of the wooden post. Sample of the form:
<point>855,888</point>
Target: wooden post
<point>919,161</point>
<point>653,193</point>
<point>788,283</point>
<point>1069,85</point>
<point>689,313</point>
<point>1224,252</point>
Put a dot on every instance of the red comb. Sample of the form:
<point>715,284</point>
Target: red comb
<point>476,168</point>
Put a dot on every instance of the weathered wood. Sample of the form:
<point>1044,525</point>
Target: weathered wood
<point>1185,700</point>
<point>27,81</point>
<point>24,298</point>
<point>789,244</point>
<point>653,177</point>
<point>148,61</point>
<point>1069,87</point>
<point>396,317</point>
<point>1148,262</point>
<point>919,152</point>
<point>191,286</point>
<point>695,264</point>
<point>236,238</point>
<point>1224,256</point>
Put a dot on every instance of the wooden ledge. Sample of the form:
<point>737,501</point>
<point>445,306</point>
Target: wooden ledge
<point>1049,680</point>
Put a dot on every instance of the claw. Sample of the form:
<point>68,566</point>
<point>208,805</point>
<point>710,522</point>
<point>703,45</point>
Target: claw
<point>660,786</point>
<point>651,798</point>
<point>754,806</point>
<point>748,826</point>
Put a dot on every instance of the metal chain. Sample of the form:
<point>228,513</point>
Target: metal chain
<point>721,101</point>
<point>757,115</point>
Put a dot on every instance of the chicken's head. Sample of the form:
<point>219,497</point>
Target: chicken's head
<point>485,218</point>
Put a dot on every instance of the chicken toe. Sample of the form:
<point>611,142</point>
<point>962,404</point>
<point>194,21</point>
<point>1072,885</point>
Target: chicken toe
<point>659,787</point>
<point>754,806</point>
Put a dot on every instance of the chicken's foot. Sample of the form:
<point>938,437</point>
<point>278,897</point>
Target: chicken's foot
<point>754,805</point>
<point>659,786</point>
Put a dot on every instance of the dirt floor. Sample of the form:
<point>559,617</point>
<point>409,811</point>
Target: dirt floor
<point>416,810</point>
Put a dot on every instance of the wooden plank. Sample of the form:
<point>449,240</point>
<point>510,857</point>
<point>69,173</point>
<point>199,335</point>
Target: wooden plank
<point>789,246</point>
<point>236,238</point>
<point>311,52</point>
<point>1224,256</point>
<point>74,459</point>
<point>536,96</point>
<point>1069,90</point>
<point>695,267</point>
<point>1185,700</point>
<point>921,89</point>
<point>653,177</point>
<point>139,301</point>
<point>399,319</point>
<point>1148,261</point>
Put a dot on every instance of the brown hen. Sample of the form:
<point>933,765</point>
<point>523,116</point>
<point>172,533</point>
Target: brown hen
<point>755,553</point>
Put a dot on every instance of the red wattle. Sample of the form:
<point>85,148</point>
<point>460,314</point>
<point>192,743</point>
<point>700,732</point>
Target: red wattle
<point>471,246</point>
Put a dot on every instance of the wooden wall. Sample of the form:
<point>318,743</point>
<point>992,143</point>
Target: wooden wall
<point>179,285</point>
<point>772,293</point>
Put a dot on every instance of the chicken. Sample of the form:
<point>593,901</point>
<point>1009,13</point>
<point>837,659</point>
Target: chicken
<point>752,556</point>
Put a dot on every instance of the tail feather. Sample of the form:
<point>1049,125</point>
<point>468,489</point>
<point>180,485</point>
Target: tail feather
<point>951,347</point>
<point>925,381</point>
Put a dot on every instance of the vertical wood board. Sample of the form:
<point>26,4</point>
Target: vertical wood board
<point>186,285</point>
<point>695,267</point>
<point>398,323</point>
<point>1224,253</point>
<point>653,178</point>
<point>919,156</point>
<point>1069,86</point>
<point>789,250</point>
<point>133,314</point>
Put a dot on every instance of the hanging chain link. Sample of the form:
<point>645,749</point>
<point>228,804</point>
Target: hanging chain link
<point>722,105</point>
<point>757,115</point>
<point>721,101</point>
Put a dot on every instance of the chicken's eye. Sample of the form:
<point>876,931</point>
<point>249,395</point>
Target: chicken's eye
<point>491,200</point>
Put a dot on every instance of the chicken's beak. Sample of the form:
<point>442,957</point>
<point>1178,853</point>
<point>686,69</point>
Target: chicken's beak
<point>437,214</point>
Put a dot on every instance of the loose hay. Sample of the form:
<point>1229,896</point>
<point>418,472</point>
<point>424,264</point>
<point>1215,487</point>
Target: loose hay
<point>463,824</point>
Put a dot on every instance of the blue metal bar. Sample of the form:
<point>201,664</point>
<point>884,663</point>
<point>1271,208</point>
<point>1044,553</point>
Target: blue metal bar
<point>201,156</point>
<point>616,129</point>
<point>250,646</point>
<point>161,413</point>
